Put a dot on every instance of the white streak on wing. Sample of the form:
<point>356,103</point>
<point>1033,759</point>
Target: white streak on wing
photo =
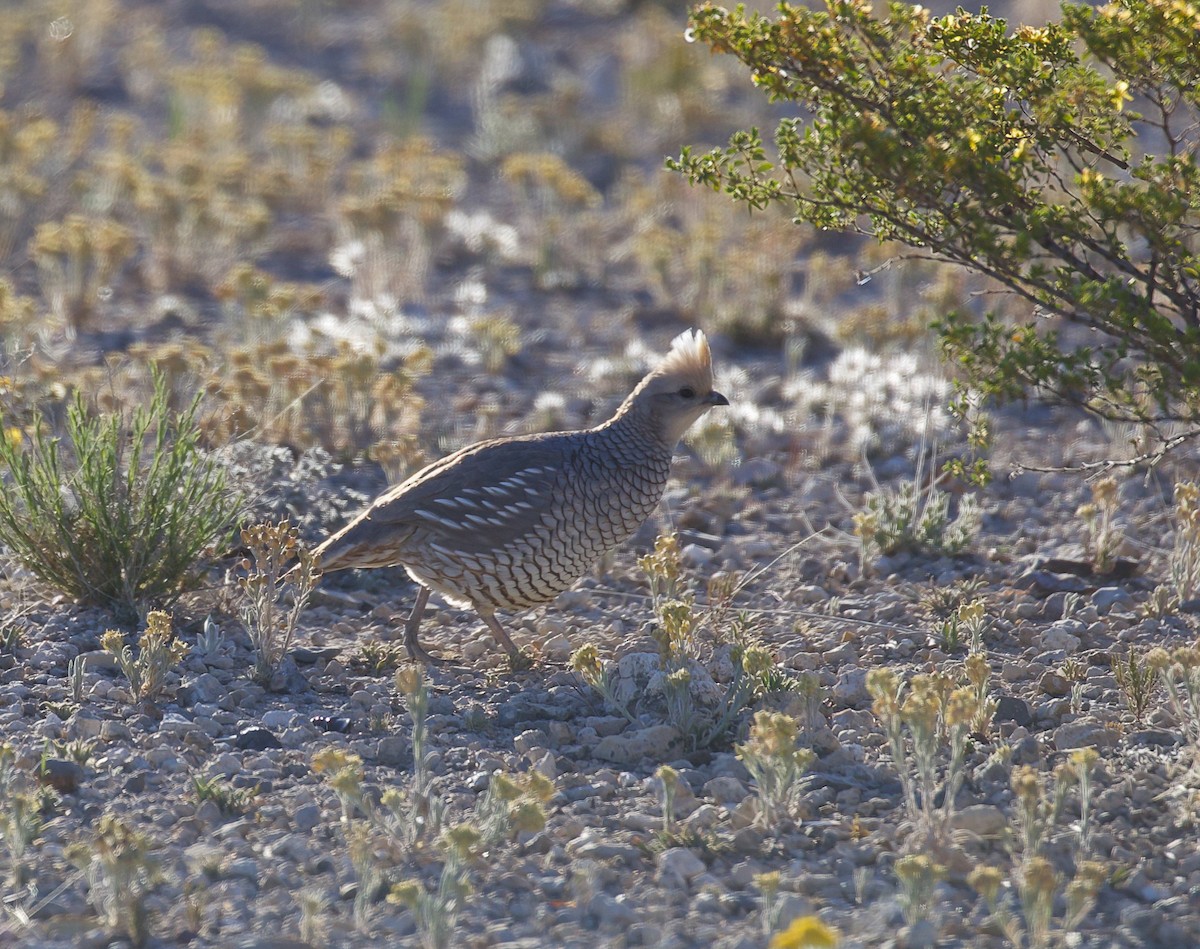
<point>455,502</point>
<point>476,519</point>
<point>437,519</point>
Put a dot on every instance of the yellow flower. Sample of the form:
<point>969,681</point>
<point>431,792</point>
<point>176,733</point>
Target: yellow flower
<point>409,679</point>
<point>806,932</point>
<point>986,881</point>
<point>1120,95</point>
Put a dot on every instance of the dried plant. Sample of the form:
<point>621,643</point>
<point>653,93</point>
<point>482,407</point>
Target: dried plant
<point>266,583</point>
<point>1185,554</point>
<point>159,652</point>
<point>121,871</point>
<point>1179,672</point>
<point>927,726</point>
<point>1136,680</point>
<point>776,763</point>
<point>1029,919</point>
<point>21,812</point>
<point>915,519</point>
<point>77,259</point>
<point>918,877</point>
<point>1098,516</point>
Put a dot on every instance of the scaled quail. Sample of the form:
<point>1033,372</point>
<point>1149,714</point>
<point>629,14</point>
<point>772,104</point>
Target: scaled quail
<point>509,523</point>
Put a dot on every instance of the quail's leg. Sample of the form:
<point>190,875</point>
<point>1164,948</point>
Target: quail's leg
<point>518,658</point>
<point>415,650</point>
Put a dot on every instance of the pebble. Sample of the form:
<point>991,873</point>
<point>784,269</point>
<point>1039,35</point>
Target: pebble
<point>1063,636</point>
<point>851,688</point>
<point>1009,708</point>
<point>985,820</point>
<point>1084,733</point>
<point>256,738</point>
<point>655,742</point>
<point>678,865</point>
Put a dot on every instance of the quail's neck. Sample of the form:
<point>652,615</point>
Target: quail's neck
<point>636,430</point>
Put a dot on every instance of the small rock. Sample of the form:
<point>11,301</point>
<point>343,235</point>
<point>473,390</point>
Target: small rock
<point>115,731</point>
<point>756,472</point>
<point>207,688</point>
<point>544,764</point>
<point>98,659</point>
<point>922,934</point>
<point>306,817</point>
<point>655,742</point>
<point>308,657</point>
<point>528,740</point>
<point>704,817</point>
<point>594,844</point>
<point>696,556</point>
<point>557,648</point>
<point>1009,708</point>
<point>62,775</point>
<point>985,820</point>
<point>1055,684</point>
<point>748,840</point>
<point>1107,597</point>
<point>279,718</point>
<point>84,724</point>
<point>256,738</point>
<point>611,912</point>
<point>678,865</point>
<point>726,789</point>
<point>244,868</point>
<point>1153,738</point>
<point>1083,733</point>
<point>851,687</point>
<point>1061,635</point>
<point>393,750</point>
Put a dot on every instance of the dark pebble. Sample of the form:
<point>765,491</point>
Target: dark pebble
<point>1009,708</point>
<point>1153,737</point>
<point>62,775</point>
<point>305,656</point>
<point>256,738</point>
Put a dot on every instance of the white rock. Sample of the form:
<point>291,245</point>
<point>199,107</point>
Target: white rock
<point>726,789</point>
<point>851,687</point>
<point>678,865</point>
<point>1060,636</point>
<point>655,742</point>
<point>982,819</point>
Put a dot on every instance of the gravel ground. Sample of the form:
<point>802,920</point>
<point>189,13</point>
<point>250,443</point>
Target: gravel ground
<point>599,873</point>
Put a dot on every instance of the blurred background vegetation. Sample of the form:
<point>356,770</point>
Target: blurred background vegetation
<point>307,210</point>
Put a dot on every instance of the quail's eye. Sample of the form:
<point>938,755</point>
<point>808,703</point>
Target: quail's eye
<point>687,392</point>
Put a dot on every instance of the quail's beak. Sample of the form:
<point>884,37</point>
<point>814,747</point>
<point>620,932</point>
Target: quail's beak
<point>715,398</point>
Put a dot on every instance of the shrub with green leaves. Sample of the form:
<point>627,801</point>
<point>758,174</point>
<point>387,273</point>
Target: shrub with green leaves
<point>1056,160</point>
<point>118,511</point>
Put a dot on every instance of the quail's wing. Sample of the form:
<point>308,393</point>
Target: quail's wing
<point>475,499</point>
